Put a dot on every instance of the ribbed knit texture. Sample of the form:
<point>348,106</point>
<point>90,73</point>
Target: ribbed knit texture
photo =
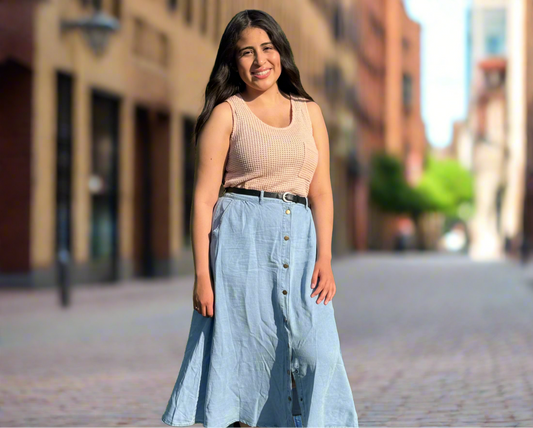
<point>264,157</point>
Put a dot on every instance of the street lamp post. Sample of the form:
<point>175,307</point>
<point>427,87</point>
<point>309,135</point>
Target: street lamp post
<point>96,30</point>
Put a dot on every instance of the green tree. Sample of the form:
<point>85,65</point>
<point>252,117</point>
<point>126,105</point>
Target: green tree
<point>445,186</point>
<point>389,189</point>
<point>448,187</point>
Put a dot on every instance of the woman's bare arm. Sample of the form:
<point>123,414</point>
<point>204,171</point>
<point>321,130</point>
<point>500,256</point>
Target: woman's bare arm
<point>212,149</point>
<point>321,201</point>
<point>320,192</point>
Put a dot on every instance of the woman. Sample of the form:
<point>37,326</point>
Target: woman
<point>263,348</point>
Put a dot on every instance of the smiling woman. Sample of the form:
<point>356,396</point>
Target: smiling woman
<point>270,354</point>
<point>257,61</point>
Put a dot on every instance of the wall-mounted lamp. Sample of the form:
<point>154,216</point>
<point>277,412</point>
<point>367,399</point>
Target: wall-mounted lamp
<point>96,28</point>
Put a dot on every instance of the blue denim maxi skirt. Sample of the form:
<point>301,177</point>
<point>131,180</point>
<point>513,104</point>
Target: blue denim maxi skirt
<point>266,326</point>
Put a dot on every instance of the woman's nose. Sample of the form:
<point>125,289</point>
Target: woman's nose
<point>260,58</point>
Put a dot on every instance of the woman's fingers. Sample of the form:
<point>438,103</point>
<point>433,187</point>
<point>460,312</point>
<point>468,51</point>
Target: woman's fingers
<point>206,310</point>
<point>314,278</point>
<point>326,291</point>
<point>323,295</point>
<point>329,296</point>
<point>210,310</point>
<point>322,285</point>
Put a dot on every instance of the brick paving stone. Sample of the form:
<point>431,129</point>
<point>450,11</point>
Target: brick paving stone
<point>427,340</point>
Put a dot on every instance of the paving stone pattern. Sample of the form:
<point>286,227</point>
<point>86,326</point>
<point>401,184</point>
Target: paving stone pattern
<point>427,341</point>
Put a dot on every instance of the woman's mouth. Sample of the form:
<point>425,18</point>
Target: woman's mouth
<point>262,74</point>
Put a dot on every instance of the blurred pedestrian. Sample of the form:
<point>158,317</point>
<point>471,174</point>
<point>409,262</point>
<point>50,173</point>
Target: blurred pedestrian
<point>404,234</point>
<point>269,354</point>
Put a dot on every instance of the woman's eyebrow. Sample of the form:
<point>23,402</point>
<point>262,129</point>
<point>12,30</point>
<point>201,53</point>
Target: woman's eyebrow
<point>251,47</point>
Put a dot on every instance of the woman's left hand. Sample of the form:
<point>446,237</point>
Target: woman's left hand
<point>326,286</point>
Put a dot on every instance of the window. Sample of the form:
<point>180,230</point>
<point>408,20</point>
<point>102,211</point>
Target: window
<point>406,152</point>
<point>164,49</point>
<point>188,11</point>
<point>110,7</point>
<point>494,45</point>
<point>494,28</point>
<point>352,30</point>
<point>217,18</point>
<point>377,28</point>
<point>203,21</point>
<point>407,90</point>
<point>172,4</point>
<point>138,32</point>
<point>337,22</point>
<point>116,8</point>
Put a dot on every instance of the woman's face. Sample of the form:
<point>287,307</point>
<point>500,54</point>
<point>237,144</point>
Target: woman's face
<point>258,61</point>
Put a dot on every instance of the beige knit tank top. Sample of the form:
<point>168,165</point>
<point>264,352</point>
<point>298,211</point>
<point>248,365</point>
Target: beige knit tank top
<point>265,157</point>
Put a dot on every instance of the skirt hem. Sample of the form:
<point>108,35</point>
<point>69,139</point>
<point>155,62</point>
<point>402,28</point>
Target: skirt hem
<point>225,425</point>
<point>199,421</point>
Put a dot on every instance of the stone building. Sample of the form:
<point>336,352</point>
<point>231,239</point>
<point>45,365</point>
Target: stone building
<point>95,127</point>
<point>389,106</point>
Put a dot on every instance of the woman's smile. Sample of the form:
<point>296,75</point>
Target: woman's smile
<point>262,74</point>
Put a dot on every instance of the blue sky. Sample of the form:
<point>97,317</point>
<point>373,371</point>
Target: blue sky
<point>443,62</point>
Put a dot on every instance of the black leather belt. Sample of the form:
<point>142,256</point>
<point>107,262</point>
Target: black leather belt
<point>286,196</point>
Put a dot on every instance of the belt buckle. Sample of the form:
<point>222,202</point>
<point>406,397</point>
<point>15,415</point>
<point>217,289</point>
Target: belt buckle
<point>283,197</point>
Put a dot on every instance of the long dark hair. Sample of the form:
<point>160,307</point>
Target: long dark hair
<point>225,81</point>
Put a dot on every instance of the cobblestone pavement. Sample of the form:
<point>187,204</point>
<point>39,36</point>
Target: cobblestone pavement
<point>427,341</point>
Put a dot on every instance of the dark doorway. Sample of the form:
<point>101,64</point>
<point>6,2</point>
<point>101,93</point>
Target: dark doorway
<point>151,194</point>
<point>143,254</point>
<point>16,82</point>
<point>103,184</point>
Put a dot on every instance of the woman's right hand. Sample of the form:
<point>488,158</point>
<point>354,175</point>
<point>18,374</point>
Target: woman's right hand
<point>204,296</point>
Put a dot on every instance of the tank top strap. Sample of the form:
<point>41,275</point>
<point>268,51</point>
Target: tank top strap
<point>238,112</point>
<point>237,106</point>
<point>303,113</point>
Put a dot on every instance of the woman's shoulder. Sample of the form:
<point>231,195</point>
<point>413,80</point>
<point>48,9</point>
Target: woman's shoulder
<point>222,115</point>
<point>232,98</point>
<point>313,109</point>
<point>223,108</point>
<point>302,99</point>
<point>312,105</point>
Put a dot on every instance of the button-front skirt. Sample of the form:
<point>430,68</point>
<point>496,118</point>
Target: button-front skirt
<point>266,326</point>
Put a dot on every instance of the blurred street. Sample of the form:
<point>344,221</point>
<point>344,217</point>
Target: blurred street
<point>426,339</point>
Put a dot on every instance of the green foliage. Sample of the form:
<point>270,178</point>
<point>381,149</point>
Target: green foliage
<point>448,186</point>
<point>445,187</point>
<point>389,189</point>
